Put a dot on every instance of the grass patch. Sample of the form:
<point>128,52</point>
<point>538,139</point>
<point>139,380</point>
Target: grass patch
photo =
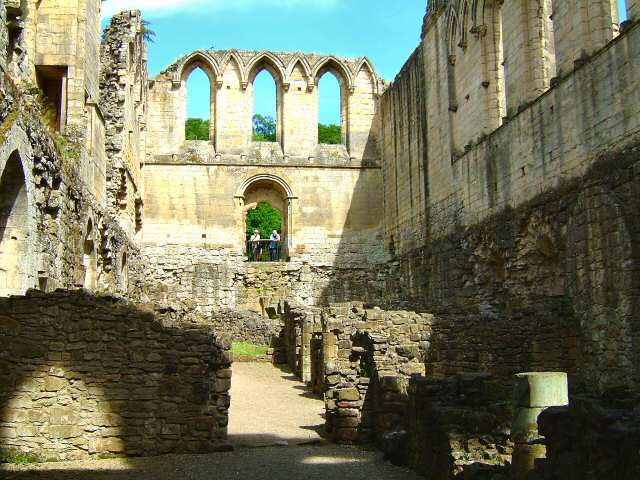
<point>245,349</point>
<point>18,458</point>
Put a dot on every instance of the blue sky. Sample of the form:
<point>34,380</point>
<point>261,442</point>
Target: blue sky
<point>386,31</point>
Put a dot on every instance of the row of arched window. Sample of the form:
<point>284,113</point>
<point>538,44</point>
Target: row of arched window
<point>265,107</point>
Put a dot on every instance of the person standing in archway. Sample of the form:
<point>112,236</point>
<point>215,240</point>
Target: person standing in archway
<point>274,245</point>
<point>256,246</point>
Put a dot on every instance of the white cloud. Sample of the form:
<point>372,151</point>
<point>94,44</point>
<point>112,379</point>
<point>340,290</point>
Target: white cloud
<point>152,8</point>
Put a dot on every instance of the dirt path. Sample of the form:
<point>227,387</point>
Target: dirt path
<point>268,407</point>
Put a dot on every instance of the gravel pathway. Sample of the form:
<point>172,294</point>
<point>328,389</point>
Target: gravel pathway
<point>269,407</point>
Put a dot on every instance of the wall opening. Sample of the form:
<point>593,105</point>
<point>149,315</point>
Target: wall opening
<point>198,106</point>
<point>331,116</point>
<point>14,31</point>
<point>90,259</point>
<point>264,233</point>
<point>266,208</point>
<point>265,108</point>
<point>14,232</point>
<point>52,81</point>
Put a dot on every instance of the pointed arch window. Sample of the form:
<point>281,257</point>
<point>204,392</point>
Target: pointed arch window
<point>198,124</point>
<point>331,114</point>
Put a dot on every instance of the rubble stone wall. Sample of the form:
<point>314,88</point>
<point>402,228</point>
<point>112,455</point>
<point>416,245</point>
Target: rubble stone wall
<point>84,376</point>
<point>123,88</point>
<point>217,279</point>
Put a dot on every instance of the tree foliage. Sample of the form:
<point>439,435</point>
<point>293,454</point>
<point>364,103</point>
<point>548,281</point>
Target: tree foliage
<point>197,129</point>
<point>264,128</point>
<point>148,34</point>
<point>329,134</point>
<point>265,218</point>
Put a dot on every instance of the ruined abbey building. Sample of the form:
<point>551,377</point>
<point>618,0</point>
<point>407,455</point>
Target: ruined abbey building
<point>485,202</point>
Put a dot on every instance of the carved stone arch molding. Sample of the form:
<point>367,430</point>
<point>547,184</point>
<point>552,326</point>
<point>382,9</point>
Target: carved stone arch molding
<point>338,68</point>
<point>234,56</point>
<point>266,181</point>
<point>267,61</point>
<point>366,64</point>
<point>300,59</point>
<point>198,59</point>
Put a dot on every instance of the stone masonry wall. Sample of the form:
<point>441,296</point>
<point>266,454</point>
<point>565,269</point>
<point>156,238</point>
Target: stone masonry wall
<point>368,356</point>
<point>215,279</point>
<point>123,87</point>
<point>84,376</point>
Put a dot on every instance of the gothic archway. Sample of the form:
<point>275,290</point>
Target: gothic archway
<point>275,191</point>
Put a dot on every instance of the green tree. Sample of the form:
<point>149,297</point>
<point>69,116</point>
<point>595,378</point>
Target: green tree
<point>265,218</point>
<point>329,134</point>
<point>197,129</point>
<point>148,34</point>
<point>264,128</point>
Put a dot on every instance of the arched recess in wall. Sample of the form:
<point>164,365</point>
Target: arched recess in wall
<point>335,69</point>
<point>90,257</point>
<point>277,193</point>
<point>486,16</point>
<point>198,80</point>
<point>266,84</point>
<point>15,237</point>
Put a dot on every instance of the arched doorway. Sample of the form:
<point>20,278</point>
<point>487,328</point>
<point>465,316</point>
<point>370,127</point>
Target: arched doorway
<point>271,190</point>
<point>14,231</point>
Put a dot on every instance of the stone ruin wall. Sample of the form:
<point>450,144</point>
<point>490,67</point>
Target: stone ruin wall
<point>196,194</point>
<point>65,234</point>
<point>531,223</point>
<point>509,199</point>
<point>88,376</point>
<point>123,87</point>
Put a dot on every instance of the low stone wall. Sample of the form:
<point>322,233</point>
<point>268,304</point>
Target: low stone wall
<point>591,438</point>
<point>368,357</point>
<point>455,427</point>
<point>83,376</point>
<point>217,278</point>
<point>246,326</point>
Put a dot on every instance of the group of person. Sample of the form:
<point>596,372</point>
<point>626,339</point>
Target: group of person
<point>274,245</point>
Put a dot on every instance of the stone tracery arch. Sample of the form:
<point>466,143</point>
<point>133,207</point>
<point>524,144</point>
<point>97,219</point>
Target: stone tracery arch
<point>335,66</point>
<point>233,56</point>
<point>305,67</point>
<point>197,59</point>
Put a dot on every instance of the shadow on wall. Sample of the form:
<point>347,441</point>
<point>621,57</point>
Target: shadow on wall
<point>360,260</point>
<point>551,285</point>
<point>83,375</point>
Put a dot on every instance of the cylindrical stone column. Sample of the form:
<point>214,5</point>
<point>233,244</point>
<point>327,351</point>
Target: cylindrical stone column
<point>533,393</point>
